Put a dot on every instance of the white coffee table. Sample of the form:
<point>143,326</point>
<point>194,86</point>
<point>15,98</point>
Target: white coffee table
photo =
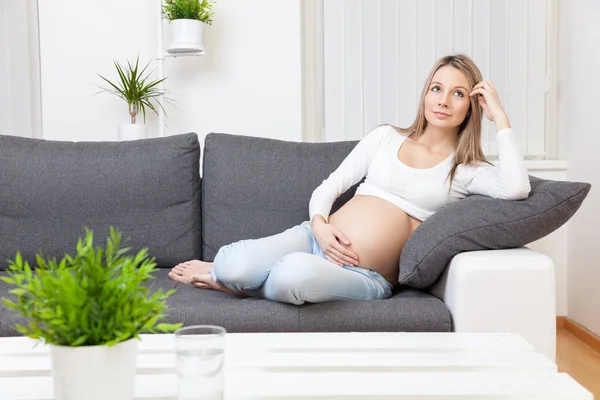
<point>330,366</point>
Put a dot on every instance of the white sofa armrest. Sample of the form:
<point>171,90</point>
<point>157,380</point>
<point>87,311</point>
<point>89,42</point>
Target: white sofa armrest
<point>510,290</point>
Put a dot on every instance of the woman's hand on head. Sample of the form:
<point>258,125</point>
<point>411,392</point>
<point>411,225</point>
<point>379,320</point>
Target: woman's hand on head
<point>488,99</point>
<point>334,244</point>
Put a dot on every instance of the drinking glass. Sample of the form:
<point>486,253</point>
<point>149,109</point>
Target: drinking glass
<point>200,352</point>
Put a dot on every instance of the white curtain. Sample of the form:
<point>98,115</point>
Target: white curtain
<point>20,96</point>
<point>377,54</point>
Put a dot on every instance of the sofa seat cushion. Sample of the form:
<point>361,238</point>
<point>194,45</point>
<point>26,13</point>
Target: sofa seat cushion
<point>408,310</point>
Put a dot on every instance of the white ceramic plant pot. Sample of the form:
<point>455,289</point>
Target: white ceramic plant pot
<point>185,36</point>
<point>94,372</point>
<point>132,131</point>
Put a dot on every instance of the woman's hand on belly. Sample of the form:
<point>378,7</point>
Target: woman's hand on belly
<point>334,243</point>
<point>377,230</point>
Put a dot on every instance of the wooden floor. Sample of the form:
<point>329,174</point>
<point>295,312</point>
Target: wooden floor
<point>578,360</point>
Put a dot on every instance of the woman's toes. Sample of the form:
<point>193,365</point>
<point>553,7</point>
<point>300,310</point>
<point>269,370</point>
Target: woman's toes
<point>176,272</point>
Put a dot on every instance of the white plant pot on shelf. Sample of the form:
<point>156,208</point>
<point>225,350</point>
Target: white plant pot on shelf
<point>185,36</point>
<point>132,131</point>
<point>94,372</point>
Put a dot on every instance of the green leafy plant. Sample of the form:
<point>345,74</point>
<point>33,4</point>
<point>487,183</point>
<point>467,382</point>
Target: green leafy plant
<point>200,10</point>
<point>96,297</point>
<point>136,89</point>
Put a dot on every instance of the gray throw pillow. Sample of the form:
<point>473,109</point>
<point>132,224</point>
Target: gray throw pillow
<point>149,189</point>
<point>484,223</point>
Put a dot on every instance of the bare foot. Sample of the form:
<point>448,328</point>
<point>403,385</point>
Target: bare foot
<point>197,273</point>
<point>206,281</point>
<point>184,271</point>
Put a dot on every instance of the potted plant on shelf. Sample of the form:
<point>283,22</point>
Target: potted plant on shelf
<point>90,308</point>
<point>186,22</point>
<point>139,92</point>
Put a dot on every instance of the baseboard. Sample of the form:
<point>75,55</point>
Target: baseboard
<point>585,335</point>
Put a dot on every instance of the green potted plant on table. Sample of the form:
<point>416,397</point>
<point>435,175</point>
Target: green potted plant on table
<point>139,92</point>
<point>90,308</point>
<point>186,22</point>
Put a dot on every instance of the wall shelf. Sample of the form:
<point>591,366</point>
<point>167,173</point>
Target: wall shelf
<point>161,56</point>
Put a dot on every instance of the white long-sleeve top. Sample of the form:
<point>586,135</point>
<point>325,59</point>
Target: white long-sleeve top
<point>421,192</point>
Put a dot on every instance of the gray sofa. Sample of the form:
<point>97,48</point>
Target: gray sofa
<point>250,187</point>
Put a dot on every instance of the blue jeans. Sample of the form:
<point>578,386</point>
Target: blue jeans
<point>290,267</point>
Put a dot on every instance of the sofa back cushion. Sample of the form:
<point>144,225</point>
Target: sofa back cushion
<point>255,187</point>
<point>149,189</point>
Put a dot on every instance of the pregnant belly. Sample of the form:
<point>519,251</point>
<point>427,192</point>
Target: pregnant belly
<point>377,230</point>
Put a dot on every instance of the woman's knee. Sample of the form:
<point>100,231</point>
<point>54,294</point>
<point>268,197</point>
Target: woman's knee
<point>232,264</point>
<point>289,277</point>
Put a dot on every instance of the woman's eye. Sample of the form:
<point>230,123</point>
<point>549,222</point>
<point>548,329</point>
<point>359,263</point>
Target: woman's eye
<point>435,89</point>
<point>459,93</point>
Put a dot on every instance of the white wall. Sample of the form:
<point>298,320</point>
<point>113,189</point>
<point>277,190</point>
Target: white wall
<point>579,143</point>
<point>249,81</point>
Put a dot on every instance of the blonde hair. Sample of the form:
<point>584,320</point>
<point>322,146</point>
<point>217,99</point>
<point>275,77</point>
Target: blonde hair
<point>468,150</point>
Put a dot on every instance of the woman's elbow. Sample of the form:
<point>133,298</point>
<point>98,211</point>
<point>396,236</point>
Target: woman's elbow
<point>520,192</point>
<point>522,195</point>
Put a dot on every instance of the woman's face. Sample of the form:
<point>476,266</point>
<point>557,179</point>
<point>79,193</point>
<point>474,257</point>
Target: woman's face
<point>447,100</point>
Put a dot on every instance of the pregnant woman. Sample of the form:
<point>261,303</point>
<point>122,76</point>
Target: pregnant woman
<point>411,173</point>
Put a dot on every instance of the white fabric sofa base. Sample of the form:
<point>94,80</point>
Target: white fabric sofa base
<point>502,291</point>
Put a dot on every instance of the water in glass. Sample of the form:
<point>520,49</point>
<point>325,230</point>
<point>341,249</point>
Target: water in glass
<point>200,359</point>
